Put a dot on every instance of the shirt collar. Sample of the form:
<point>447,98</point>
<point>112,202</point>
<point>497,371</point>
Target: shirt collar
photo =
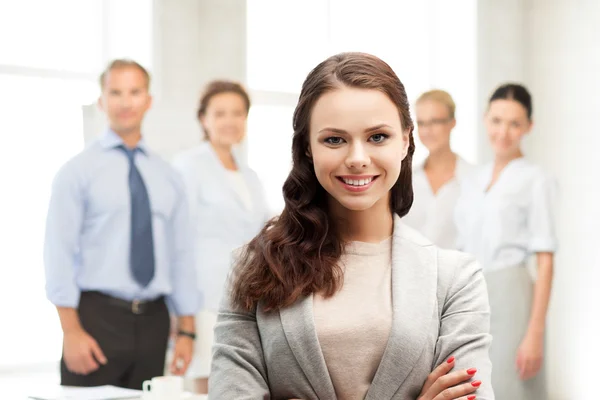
<point>461,167</point>
<point>111,140</point>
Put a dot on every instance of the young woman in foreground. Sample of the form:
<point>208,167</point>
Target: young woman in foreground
<point>337,298</point>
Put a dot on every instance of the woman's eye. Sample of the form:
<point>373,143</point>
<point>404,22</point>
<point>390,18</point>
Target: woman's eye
<point>379,137</point>
<point>334,140</point>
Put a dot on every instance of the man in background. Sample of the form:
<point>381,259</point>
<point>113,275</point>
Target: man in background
<point>118,247</point>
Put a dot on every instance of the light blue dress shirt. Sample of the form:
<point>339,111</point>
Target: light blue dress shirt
<point>88,229</point>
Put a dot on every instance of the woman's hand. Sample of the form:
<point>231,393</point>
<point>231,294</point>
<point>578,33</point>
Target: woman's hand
<point>530,355</point>
<point>443,385</point>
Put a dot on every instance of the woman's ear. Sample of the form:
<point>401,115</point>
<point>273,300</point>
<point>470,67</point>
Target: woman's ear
<point>308,154</point>
<point>204,131</point>
<point>530,127</point>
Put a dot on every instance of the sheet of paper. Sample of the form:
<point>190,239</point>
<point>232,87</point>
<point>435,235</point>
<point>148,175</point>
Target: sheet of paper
<point>91,393</point>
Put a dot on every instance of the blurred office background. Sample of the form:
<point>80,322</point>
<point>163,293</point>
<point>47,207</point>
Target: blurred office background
<point>52,51</point>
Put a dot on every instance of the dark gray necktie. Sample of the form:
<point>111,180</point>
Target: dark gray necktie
<point>141,257</point>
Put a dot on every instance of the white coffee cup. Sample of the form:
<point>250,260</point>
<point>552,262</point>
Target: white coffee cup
<point>163,388</point>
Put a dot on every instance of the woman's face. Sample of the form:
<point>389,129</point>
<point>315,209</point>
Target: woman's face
<point>225,119</point>
<point>434,125</point>
<point>357,145</point>
<point>506,122</point>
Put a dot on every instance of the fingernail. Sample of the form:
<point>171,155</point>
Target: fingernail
<point>471,397</point>
<point>471,371</point>
<point>451,360</point>
<point>476,383</point>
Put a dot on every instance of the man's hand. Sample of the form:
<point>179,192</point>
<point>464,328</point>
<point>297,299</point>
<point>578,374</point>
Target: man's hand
<point>81,352</point>
<point>182,356</point>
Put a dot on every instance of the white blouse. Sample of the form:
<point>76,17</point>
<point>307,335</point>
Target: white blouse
<point>241,188</point>
<point>228,209</point>
<point>433,214</point>
<point>502,227</point>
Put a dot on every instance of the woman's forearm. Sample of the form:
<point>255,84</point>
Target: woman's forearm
<point>541,295</point>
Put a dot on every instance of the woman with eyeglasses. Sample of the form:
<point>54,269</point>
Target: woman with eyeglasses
<point>436,181</point>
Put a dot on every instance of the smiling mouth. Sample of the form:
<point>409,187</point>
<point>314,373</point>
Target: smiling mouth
<point>357,182</point>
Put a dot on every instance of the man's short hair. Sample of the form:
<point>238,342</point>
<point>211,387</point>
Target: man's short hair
<point>124,63</point>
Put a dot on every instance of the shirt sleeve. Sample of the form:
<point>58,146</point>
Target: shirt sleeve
<point>185,296</point>
<point>461,209</point>
<point>541,223</point>
<point>62,236</point>
<point>188,175</point>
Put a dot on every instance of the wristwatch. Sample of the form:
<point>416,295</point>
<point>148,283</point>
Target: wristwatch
<point>191,335</point>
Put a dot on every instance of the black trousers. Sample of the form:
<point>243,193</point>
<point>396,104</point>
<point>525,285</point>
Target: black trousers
<point>133,338</point>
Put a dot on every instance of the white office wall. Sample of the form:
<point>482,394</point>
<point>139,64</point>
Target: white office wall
<point>563,64</point>
<point>502,45</point>
<point>195,41</point>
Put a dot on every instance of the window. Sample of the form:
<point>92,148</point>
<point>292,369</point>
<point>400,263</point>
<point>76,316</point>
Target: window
<point>48,72</point>
<point>282,51</point>
<point>129,30</point>
<point>269,148</point>
<point>43,129</point>
<point>429,44</point>
<point>43,36</point>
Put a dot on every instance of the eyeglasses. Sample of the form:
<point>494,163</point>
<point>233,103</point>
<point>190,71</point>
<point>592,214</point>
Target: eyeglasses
<point>433,122</point>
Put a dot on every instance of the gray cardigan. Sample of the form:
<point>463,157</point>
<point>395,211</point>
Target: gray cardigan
<point>440,309</point>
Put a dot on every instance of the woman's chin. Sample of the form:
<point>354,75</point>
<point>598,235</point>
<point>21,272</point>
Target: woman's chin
<point>357,204</point>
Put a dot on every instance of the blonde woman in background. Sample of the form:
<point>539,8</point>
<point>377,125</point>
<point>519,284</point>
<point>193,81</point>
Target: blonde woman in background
<point>227,201</point>
<point>504,216</point>
<point>436,181</point>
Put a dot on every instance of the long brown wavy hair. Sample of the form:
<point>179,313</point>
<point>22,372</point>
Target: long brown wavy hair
<point>297,253</point>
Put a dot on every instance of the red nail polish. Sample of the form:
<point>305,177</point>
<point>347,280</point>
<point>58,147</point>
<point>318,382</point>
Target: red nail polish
<point>451,360</point>
<point>471,397</point>
<point>476,383</point>
<point>471,371</point>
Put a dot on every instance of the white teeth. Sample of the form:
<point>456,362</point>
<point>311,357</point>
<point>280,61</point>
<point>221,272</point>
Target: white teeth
<point>357,182</point>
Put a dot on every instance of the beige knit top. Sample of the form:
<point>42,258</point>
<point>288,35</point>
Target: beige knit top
<point>353,326</point>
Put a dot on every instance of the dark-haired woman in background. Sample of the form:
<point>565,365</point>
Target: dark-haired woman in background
<point>506,214</point>
<point>227,203</point>
<point>338,298</point>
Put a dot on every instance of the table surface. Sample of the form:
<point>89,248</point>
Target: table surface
<point>18,386</point>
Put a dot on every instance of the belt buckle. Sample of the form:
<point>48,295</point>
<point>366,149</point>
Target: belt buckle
<point>135,307</point>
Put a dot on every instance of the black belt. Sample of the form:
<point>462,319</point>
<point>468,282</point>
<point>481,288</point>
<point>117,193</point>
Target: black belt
<point>137,307</point>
